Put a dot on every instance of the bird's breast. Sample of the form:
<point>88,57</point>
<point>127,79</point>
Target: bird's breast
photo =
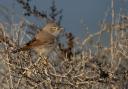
<point>44,49</point>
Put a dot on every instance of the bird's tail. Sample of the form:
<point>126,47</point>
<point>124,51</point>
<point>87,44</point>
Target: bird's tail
<point>20,49</point>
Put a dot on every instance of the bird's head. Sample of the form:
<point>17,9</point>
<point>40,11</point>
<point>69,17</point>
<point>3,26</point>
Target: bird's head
<point>53,28</point>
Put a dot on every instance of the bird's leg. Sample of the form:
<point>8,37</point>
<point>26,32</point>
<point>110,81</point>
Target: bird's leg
<point>38,60</point>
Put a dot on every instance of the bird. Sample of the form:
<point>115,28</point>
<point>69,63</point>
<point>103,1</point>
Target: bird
<point>45,40</point>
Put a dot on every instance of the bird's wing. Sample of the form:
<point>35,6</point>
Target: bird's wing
<point>40,39</point>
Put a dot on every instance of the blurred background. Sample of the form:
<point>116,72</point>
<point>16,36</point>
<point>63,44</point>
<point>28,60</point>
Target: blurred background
<point>78,15</point>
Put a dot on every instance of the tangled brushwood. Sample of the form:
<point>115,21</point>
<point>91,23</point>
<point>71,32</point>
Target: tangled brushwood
<point>75,64</point>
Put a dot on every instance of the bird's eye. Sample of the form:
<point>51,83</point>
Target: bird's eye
<point>54,28</point>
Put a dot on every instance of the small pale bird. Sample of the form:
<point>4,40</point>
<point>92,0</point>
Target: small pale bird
<point>45,40</point>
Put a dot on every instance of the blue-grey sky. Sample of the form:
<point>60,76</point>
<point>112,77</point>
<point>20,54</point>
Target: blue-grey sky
<point>91,12</point>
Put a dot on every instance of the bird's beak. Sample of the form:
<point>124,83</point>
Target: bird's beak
<point>62,31</point>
